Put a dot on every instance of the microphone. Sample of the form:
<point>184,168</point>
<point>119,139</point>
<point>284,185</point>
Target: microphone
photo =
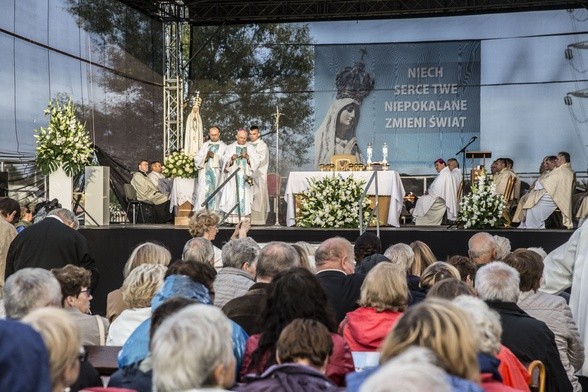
<point>474,138</point>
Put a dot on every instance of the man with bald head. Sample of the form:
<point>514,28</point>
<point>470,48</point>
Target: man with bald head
<point>240,157</point>
<point>482,248</point>
<point>335,266</point>
<point>208,162</point>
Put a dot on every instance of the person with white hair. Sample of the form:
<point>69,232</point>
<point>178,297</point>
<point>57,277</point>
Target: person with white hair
<point>502,247</point>
<point>238,272</point>
<point>529,339</point>
<point>199,249</point>
<point>414,370</point>
<point>192,350</point>
<point>482,248</point>
<point>488,330</point>
<point>28,289</point>
<point>400,254</point>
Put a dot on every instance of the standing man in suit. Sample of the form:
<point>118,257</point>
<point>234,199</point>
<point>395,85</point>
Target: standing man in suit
<point>335,266</point>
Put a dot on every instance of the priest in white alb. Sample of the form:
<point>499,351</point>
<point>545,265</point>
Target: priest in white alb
<point>441,197</point>
<point>260,205</point>
<point>209,164</point>
<point>238,155</point>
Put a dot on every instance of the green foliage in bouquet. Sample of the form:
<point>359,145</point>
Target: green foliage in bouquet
<point>179,165</point>
<point>333,202</point>
<point>64,142</point>
<point>483,207</point>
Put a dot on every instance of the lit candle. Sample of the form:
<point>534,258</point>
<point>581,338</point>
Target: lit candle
<point>385,152</point>
<point>369,153</point>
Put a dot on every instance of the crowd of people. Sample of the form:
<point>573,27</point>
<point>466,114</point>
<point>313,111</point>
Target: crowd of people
<point>362,316</point>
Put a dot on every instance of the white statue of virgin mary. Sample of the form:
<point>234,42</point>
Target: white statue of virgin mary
<point>193,137</point>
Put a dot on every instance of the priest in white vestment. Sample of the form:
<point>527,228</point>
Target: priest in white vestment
<point>453,165</point>
<point>565,267</point>
<point>209,164</point>
<point>441,197</point>
<point>501,176</point>
<point>242,155</point>
<point>260,205</point>
<point>553,190</point>
<point>164,185</point>
<point>193,138</point>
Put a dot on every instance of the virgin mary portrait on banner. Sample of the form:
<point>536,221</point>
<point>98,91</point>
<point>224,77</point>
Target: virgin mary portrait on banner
<point>336,134</point>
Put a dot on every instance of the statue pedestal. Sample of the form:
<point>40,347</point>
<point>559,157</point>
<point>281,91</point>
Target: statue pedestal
<point>61,188</point>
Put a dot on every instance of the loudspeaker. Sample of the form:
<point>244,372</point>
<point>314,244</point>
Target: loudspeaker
<point>3,184</point>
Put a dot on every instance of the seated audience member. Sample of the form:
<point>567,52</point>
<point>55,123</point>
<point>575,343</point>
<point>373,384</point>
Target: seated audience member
<point>402,255</point>
<point>383,298</point>
<point>247,309</point>
<point>551,309</point>
<point>551,191</point>
<point>33,288</point>
<point>502,248</point>
<point>23,360</point>
<point>63,341</point>
<point>467,269</point>
<point>423,257</point>
<point>488,331</point>
<point>75,288</point>
<point>28,289</point>
<point>147,192</point>
<point>413,370</point>
<point>528,338</point>
<point>335,268</point>
<point>310,251</point>
<point>441,198</point>
<point>199,250</point>
<point>441,327</point>
<point>26,219</point>
<point>450,288</point>
<point>293,294</point>
<point>366,247</point>
<point>238,272</point>
<point>138,376</point>
<point>192,350</point>
<point>436,272</point>
<point>302,352</point>
<point>204,224</point>
<point>138,289</point>
<point>304,258</point>
<point>482,248</point>
<point>145,253</point>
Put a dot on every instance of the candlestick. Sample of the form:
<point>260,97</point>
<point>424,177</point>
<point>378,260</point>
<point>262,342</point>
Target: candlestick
<point>369,153</point>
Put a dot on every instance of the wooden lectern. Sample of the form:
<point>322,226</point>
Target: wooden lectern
<point>477,169</point>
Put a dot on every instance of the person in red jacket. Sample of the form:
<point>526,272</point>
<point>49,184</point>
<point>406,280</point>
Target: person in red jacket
<point>383,298</point>
<point>293,294</point>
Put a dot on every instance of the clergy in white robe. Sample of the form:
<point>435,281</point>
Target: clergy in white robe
<point>453,165</point>
<point>164,185</point>
<point>147,192</point>
<point>209,164</point>
<point>193,138</point>
<point>501,177</point>
<point>553,190</point>
<point>565,267</point>
<point>260,205</point>
<point>242,155</point>
<point>441,197</point>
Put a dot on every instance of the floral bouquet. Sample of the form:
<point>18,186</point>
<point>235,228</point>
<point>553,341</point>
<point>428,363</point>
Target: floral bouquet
<point>483,207</point>
<point>64,142</point>
<point>179,165</point>
<point>333,202</point>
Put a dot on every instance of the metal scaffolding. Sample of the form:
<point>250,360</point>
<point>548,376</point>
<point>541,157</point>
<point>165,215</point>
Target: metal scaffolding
<point>173,15</point>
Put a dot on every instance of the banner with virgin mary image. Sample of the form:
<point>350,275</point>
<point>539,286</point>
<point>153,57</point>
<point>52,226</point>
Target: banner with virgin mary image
<point>421,100</point>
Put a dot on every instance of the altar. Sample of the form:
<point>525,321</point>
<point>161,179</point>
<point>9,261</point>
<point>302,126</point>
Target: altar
<point>183,199</point>
<point>389,184</point>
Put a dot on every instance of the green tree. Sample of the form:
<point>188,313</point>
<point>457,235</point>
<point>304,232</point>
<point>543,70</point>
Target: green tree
<point>245,72</point>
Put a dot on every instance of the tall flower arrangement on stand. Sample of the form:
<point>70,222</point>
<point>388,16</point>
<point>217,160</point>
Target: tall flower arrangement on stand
<point>483,207</point>
<point>333,202</point>
<point>179,165</point>
<point>64,142</point>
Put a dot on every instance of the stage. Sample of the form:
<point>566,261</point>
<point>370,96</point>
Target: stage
<point>111,245</point>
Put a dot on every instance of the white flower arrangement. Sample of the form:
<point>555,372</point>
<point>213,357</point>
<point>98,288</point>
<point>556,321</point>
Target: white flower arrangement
<point>333,202</point>
<point>179,165</point>
<point>483,207</point>
<point>64,142</point>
